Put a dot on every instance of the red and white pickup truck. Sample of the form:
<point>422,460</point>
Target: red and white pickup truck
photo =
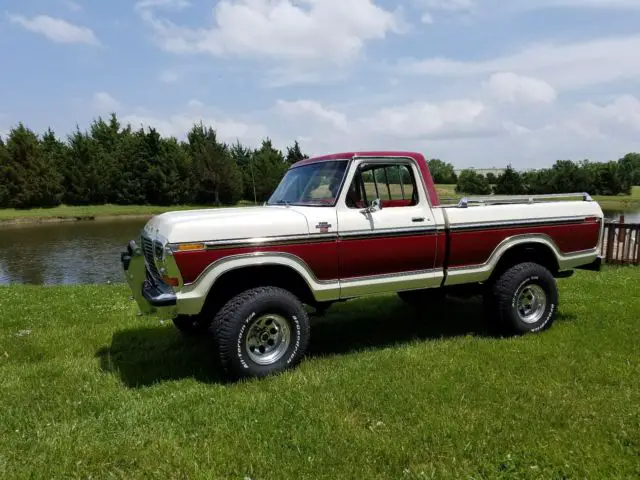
<point>347,225</point>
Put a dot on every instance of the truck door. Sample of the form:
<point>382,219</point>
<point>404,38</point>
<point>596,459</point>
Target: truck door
<point>394,245</point>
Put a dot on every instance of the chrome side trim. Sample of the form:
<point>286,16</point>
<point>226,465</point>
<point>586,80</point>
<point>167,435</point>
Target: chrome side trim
<point>481,272</point>
<point>308,238</point>
<point>390,283</point>
<point>279,240</point>
<point>384,232</point>
<point>515,223</point>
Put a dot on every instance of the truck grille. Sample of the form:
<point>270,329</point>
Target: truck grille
<point>147,249</point>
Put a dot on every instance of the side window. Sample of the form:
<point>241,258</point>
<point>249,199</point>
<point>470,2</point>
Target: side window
<point>393,184</point>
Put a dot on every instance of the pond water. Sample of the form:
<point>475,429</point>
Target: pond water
<point>68,252</point>
<point>84,252</point>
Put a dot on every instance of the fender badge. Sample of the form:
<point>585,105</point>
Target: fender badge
<point>323,227</point>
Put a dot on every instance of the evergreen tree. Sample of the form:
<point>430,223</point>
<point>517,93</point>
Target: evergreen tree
<point>294,154</point>
<point>4,175</point>
<point>269,167</point>
<point>33,181</point>
<point>509,183</point>
<point>242,157</point>
<point>219,177</point>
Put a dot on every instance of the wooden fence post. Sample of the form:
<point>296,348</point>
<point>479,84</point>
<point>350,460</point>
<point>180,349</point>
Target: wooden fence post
<point>610,239</point>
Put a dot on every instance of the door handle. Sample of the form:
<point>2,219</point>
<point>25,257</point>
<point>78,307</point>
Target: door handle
<point>417,219</point>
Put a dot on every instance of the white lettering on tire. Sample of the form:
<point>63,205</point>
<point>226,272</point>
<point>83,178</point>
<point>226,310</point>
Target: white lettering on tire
<point>239,343</point>
<point>297,344</point>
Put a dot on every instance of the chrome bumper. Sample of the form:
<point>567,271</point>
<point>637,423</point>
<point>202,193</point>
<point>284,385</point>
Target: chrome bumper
<point>152,295</point>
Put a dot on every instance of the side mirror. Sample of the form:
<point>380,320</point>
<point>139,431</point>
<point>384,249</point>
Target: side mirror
<point>374,206</point>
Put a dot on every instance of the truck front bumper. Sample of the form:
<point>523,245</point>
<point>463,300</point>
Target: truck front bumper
<point>153,296</point>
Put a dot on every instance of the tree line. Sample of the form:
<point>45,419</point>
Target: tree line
<point>565,176</point>
<point>114,163</point>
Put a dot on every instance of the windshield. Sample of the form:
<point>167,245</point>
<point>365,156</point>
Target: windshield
<point>315,184</point>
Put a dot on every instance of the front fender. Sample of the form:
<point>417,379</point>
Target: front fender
<point>192,296</point>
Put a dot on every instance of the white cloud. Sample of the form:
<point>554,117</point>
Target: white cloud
<point>195,103</point>
<point>449,5</point>
<point>569,65</point>
<point>73,6</point>
<point>105,103</point>
<point>427,120</point>
<point>169,4</point>
<point>169,76</point>
<point>516,89</point>
<point>314,30</point>
<point>56,29</point>
<point>313,109</point>
<point>622,114</point>
<point>426,18</point>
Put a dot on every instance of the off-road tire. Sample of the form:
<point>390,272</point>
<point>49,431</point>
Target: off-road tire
<point>509,287</point>
<point>192,325</point>
<point>233,322</point>
<point>423,297</point>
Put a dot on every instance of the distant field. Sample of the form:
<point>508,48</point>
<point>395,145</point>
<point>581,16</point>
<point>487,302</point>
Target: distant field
<point>89,390</point>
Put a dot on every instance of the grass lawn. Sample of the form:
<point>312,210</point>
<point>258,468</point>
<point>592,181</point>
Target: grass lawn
<point>89,390</point>
<point>90,211</point>
<point>623,203</point>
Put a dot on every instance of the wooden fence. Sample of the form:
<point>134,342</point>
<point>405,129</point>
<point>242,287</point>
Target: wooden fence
<point>621,243</point>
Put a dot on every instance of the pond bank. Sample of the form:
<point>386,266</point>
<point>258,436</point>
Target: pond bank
<point>65,213</point>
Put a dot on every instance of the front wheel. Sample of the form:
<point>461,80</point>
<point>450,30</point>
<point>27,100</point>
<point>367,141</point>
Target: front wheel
<point>525,298</point>
<point>261,331</point>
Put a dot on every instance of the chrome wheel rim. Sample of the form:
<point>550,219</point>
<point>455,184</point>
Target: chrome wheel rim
<point>531,303</point>
<point>268,339</point>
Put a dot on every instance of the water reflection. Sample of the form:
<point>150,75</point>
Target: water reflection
<point>74,252</point>
<point>629,217</point>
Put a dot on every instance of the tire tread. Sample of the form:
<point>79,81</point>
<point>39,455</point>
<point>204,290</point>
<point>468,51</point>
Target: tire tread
<point>222,326</point>
<point>503,289</point>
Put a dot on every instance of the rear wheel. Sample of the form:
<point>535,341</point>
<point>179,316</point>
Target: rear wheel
<point>524,298</point>
<point>261,331</point>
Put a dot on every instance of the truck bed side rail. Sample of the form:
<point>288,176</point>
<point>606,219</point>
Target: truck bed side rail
<point>514,199</point>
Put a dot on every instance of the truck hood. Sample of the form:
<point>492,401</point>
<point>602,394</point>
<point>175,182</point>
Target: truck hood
<point>226,224</point>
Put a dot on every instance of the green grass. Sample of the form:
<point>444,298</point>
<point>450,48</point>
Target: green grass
<point>623,203</point>
<point>90,211</point>
<point>89,390</point>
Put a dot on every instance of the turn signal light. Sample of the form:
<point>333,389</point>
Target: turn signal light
<point>190,247</point>
<point>172,281</point>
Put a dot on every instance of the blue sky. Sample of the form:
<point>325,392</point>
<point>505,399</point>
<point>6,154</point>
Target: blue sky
<point>475,82</point>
